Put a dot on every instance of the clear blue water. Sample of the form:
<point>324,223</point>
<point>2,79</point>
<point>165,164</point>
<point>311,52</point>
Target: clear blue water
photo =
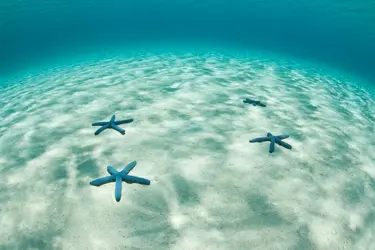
<point>340,33</point>
<point>181,69</point>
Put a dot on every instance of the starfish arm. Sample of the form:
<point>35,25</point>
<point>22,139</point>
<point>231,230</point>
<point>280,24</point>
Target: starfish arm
<point>118,188</point>
<point>249,101</point>
<point>129,167</point>
<point>103,180</point>
<point>281,137</point>
<point>112,118</point>
<point>117,128</point>
<point>124,121</point>
<point>262,104</point>
<point>284,144</point>
<point>272,145</point>
<point>269,135</point>
<point>260,139</point>
<point>99,123</point>
<point>111,170</point>
<point>134,179</point>
<point>101,129</point>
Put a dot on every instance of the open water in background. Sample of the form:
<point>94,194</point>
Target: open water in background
<point>339,33</point>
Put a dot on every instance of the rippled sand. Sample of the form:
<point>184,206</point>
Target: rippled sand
<point>210,188</point>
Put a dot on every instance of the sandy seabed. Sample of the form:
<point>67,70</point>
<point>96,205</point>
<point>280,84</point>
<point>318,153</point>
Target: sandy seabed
<point>210,188</point>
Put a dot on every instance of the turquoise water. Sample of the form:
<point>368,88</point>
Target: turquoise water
<point>181,71</point>
<point>341,33</point>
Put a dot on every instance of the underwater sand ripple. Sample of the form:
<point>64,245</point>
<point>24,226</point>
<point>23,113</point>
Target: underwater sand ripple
<point>210,188</point>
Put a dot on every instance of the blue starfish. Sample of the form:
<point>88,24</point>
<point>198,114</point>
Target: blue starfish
<point>273,139</point>
<point>111,124</point>
<point>255,103</point>
<point>119,177</point>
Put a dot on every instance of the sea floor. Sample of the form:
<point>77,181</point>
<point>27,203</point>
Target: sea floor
<point>210,188</point>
